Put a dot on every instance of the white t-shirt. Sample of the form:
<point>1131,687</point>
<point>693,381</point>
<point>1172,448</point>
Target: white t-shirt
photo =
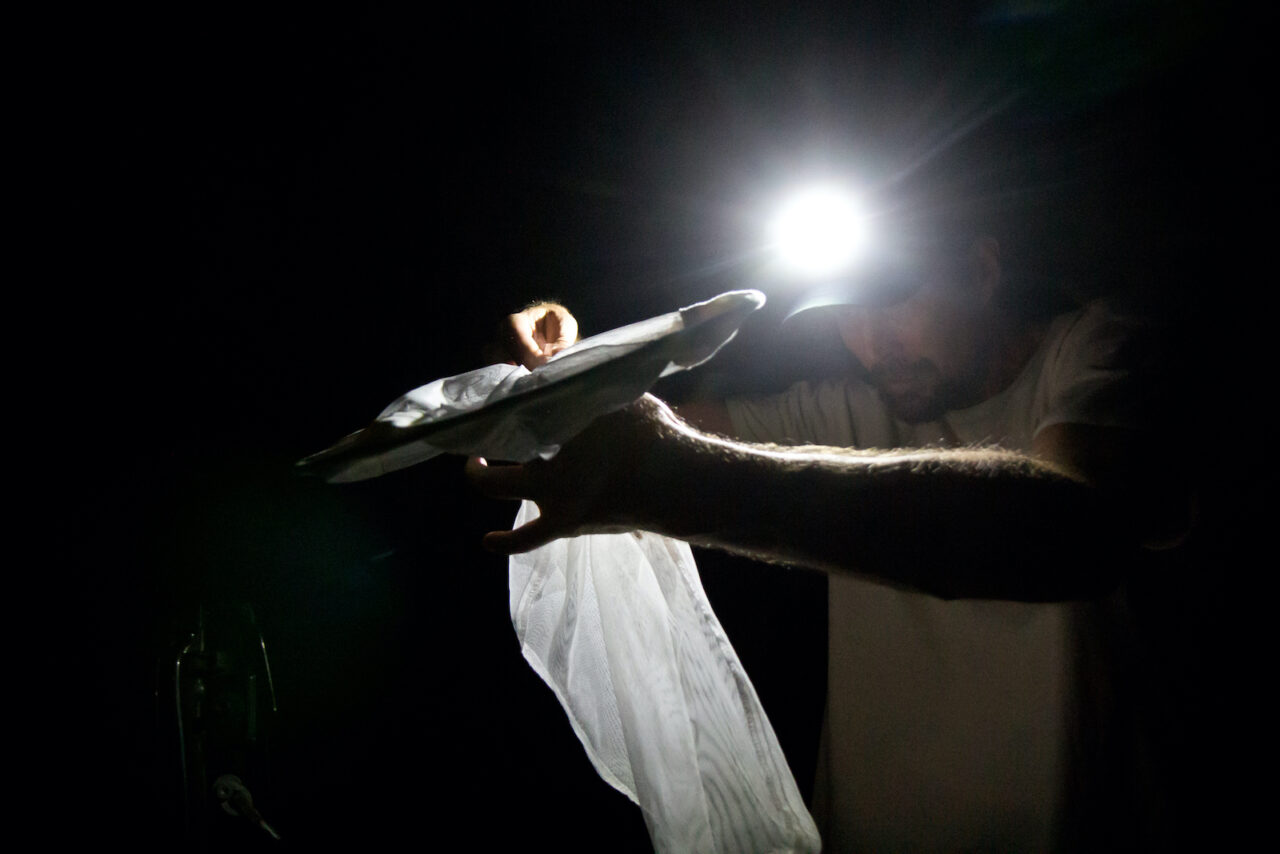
<point>947,722</point>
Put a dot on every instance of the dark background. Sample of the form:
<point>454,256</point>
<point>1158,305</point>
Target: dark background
<point>272,224</point>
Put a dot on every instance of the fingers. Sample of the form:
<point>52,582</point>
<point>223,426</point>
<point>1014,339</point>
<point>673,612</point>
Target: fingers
<point>539,332</point>
<point>560,329</point>
<point>497,481</point>
<point>523,539</point>
<point>508,482</point>
<point>522,342</point>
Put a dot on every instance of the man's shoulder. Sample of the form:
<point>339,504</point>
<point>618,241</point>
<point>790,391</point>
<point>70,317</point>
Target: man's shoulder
<point>1104,363</point>
<point>1111,329</point>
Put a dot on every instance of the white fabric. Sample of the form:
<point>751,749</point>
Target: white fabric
<point>947,722</point>
<point>512,432</point>
<point>619,627</point>
<point>510,413</point>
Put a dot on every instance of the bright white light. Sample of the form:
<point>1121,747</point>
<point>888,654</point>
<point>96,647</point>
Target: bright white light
<point>818,231</point>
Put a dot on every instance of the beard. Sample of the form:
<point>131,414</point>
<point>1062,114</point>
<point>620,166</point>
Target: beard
<point>915,392</point>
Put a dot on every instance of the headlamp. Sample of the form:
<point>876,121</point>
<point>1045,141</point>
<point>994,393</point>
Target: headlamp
<point>822,237</point>
<point>818,232</point>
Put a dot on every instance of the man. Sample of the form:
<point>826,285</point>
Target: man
<point>1018,466</point>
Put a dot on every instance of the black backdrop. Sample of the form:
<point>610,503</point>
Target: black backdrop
<point>271,224</point>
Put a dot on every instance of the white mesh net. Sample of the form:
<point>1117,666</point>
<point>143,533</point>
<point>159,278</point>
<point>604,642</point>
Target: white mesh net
<point>619,626</point>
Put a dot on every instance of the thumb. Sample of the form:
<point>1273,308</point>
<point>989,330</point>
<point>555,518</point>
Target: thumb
<point>526,538</point>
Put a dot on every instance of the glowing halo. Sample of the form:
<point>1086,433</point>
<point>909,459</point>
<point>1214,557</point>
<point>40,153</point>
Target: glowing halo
<point>819,231</point>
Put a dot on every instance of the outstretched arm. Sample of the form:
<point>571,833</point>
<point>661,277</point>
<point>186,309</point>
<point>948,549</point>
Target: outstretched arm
<point>955,523</point>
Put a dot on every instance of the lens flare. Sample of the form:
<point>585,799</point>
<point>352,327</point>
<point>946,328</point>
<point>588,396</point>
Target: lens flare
<point>818,232</point>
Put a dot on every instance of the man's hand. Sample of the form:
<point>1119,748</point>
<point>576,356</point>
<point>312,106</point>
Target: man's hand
<point>533,336</point>
<point>592,486</point>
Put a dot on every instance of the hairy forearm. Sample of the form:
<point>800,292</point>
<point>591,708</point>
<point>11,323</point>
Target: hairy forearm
<point>955,523</point>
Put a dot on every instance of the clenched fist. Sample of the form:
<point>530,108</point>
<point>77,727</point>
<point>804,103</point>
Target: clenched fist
<point>533,336</point>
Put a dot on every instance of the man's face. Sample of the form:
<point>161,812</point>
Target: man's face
<point>925,355</point>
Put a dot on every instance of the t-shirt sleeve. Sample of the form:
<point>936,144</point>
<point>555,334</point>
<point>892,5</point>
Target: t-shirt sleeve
<point>839,413</point>
<point>781,418</point>
<point>1105,372</point>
